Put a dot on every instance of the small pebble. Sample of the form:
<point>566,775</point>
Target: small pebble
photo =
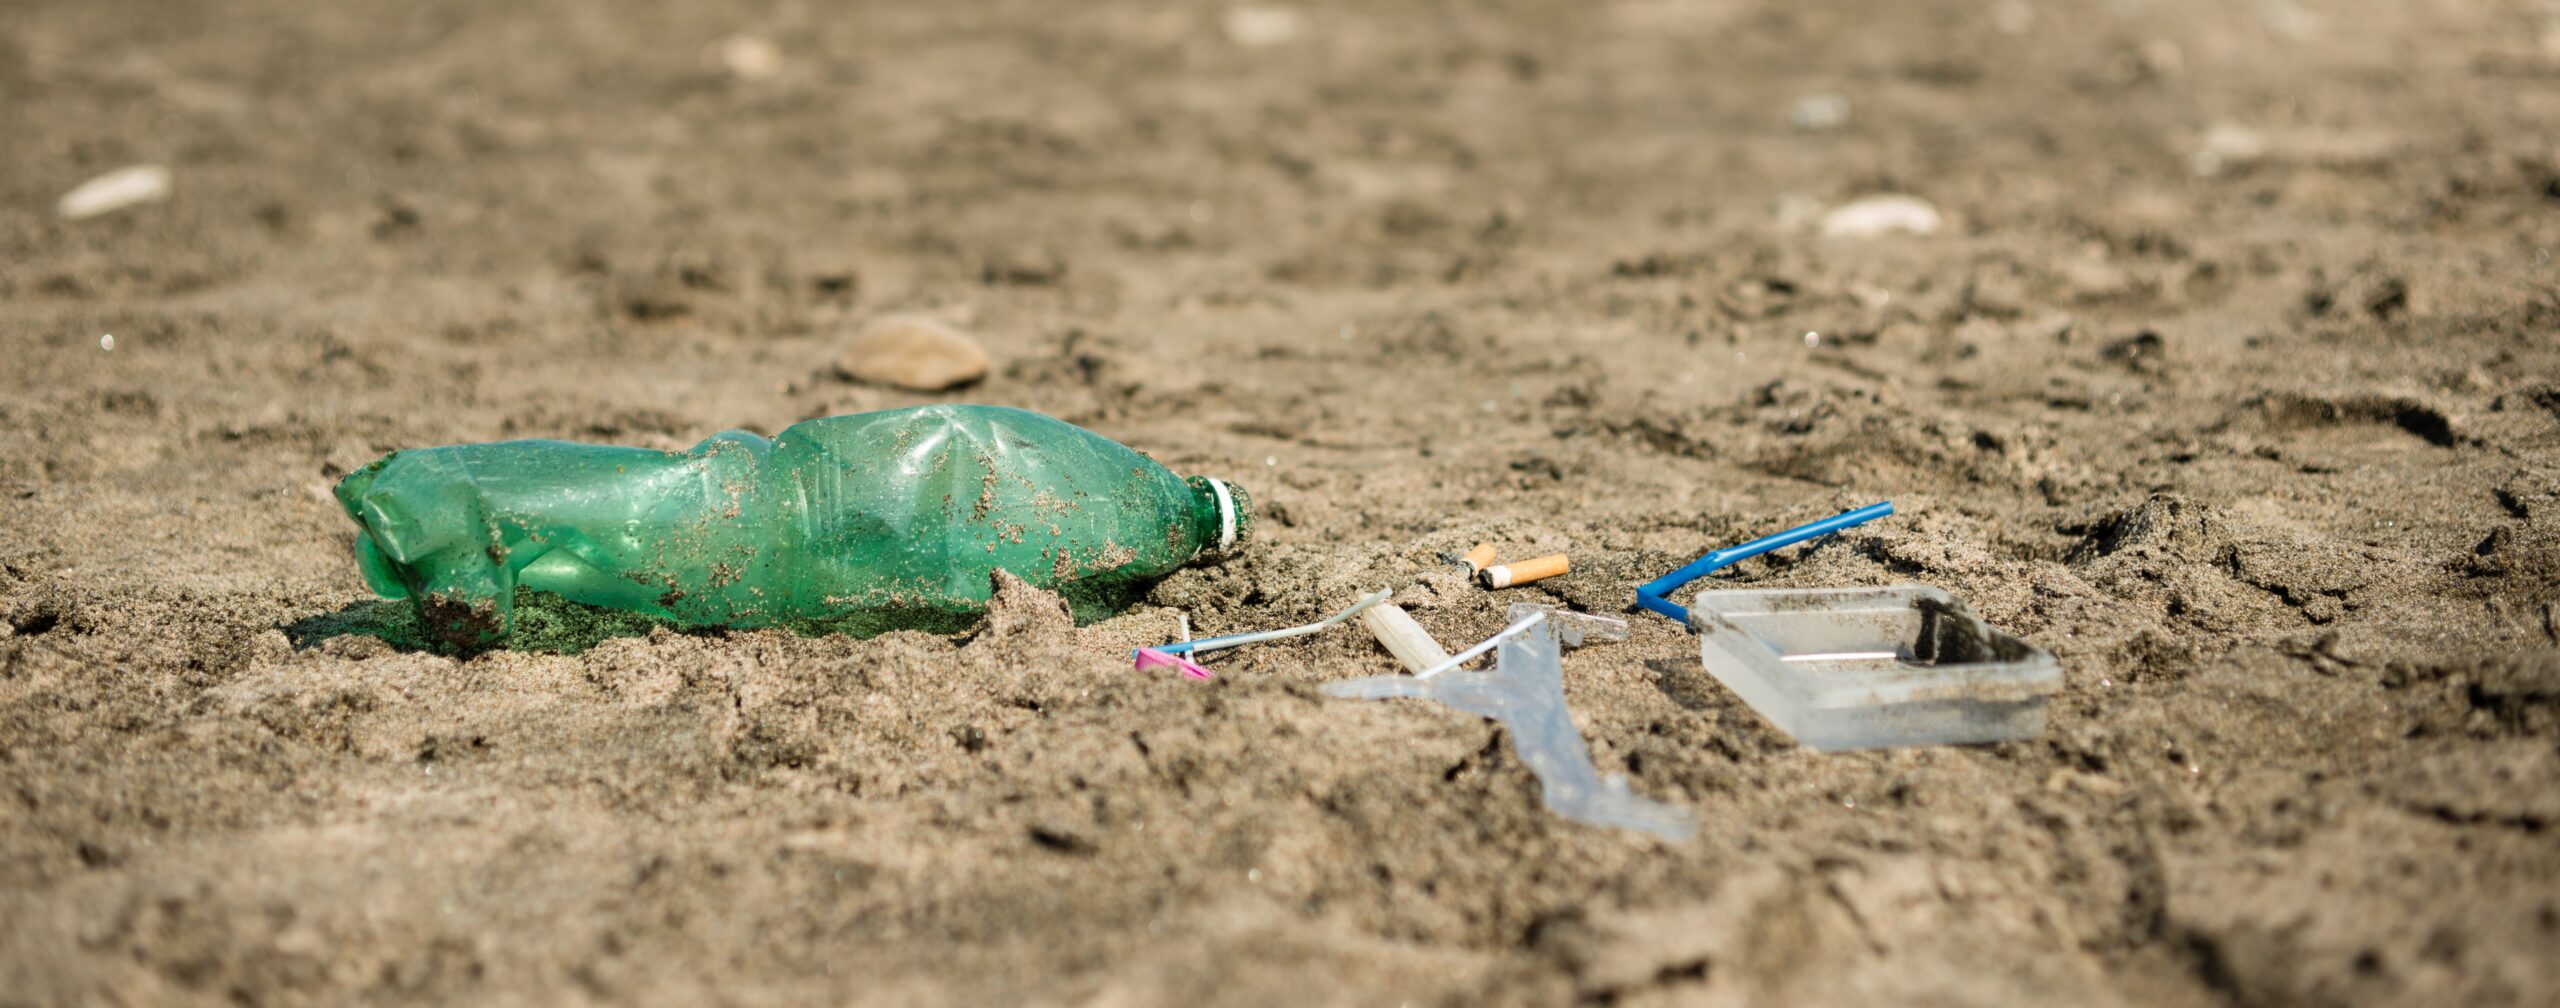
<point>2226,145</point>
<point>749,58</point>
<point>2098,280</point>
<point>127,186</point>
<point>1257,27</point>
<point>1816,112</point>
<point>913,352</point>
<point>1875,216</point>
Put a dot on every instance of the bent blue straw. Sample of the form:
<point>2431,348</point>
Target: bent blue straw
<point>1651,594</point>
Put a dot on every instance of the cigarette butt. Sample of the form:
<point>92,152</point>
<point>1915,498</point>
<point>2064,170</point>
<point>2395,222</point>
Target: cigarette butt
<point>1510,574</point>
<point>1404,638</point>
<point>1478,559</point>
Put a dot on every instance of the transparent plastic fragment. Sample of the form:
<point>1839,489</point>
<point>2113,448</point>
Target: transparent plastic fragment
<point>1525,691</point>
<point>1578,629</point>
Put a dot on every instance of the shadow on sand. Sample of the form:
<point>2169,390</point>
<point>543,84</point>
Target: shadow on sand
<point>544,623</point>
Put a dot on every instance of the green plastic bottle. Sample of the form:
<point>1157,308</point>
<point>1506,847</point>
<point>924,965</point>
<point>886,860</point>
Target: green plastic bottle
<point>860,524</point>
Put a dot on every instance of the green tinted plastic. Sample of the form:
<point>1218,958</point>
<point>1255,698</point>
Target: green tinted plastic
<point>861,524</point>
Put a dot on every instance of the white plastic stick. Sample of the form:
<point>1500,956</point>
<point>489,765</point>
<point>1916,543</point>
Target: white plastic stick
<point>1222,643</point>
<point>1403,638</point>
<point>1489,644</point>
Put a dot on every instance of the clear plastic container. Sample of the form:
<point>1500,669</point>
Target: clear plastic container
<point>1861,668</point>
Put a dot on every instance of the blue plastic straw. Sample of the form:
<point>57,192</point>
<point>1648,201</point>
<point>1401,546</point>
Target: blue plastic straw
<point>1651,594</point>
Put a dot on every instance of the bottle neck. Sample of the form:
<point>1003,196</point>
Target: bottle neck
<point>1221,515</point>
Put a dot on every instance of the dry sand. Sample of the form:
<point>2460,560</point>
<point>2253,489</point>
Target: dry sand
<point>2230,378</point>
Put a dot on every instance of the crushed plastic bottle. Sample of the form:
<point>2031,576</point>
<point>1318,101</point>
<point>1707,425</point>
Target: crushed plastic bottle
<point>860,524</point>
<point>1525,691</point>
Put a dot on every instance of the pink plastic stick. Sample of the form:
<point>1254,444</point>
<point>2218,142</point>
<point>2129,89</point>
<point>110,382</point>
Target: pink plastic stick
<point>1150,657</point>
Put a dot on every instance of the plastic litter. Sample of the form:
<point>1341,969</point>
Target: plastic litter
<point>1260,636</point>
<point>1858,668</point>
<point>1580,629</point>
<point>1653,594</point>
<point>889,520</point>
<point>1151,657</point>
<point>1518,625</point>
<point>1525,691</point>
<point>1396,630</point>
